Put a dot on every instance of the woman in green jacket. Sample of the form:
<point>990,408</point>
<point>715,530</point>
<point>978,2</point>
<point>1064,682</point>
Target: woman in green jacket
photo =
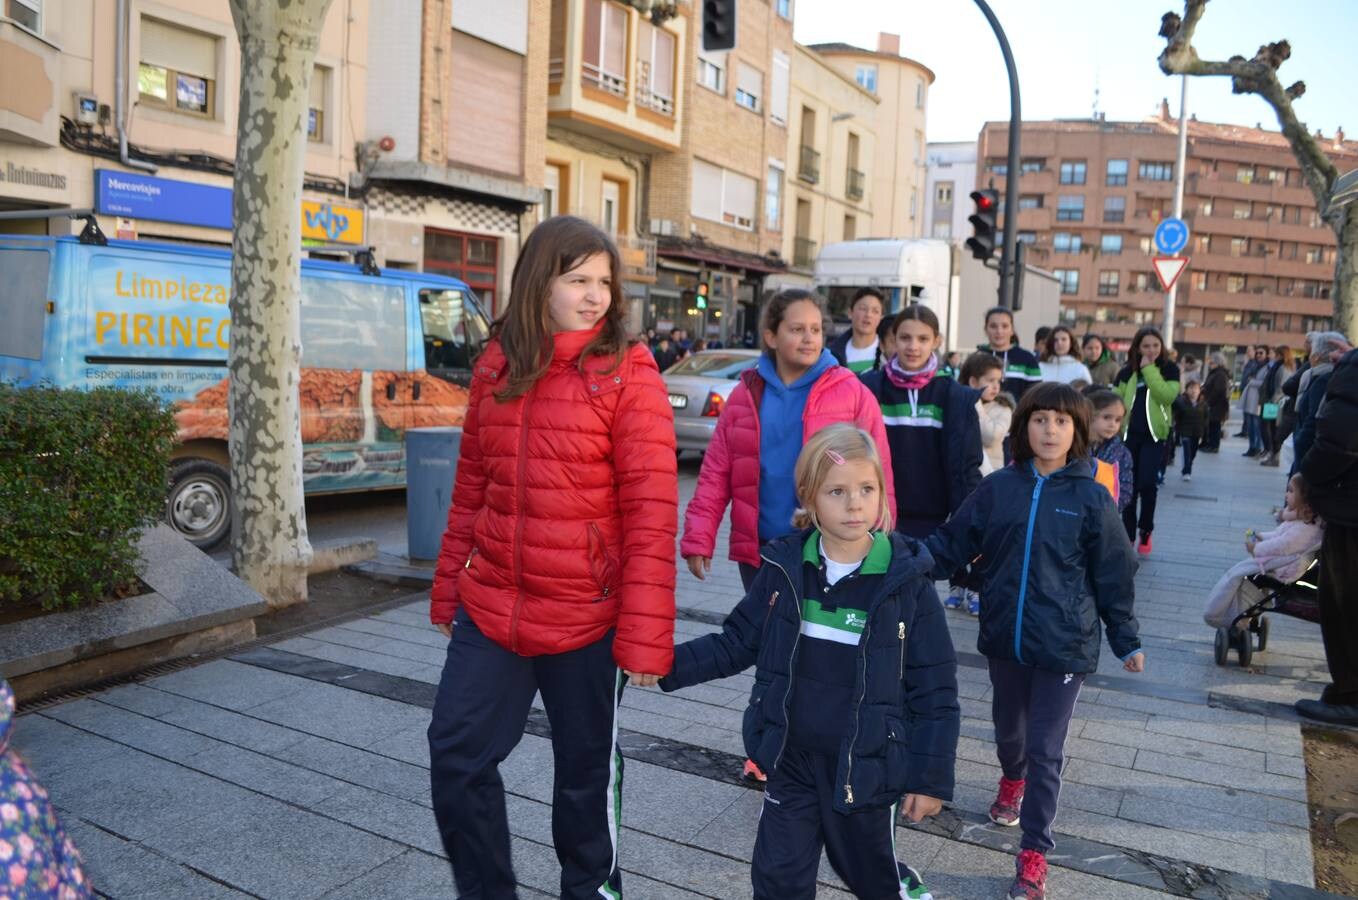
<point>1148,385</point>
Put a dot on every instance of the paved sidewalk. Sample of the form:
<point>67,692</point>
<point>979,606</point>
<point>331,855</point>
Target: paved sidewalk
<point>300,769</point>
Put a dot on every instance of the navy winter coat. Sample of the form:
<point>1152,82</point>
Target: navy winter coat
<point>1055,560</point>
<point>906,719</point>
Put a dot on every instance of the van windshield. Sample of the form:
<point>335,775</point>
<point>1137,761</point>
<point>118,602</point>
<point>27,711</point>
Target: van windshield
<point>454,328</point>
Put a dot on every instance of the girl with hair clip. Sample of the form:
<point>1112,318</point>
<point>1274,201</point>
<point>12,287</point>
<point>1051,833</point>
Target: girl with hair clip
<point>556,574</point>
<point>1057,562</point>
<point>1147,384</point>
<point>855,692</point>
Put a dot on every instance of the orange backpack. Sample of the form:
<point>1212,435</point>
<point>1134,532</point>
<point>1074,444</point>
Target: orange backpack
<point>1106,474</point>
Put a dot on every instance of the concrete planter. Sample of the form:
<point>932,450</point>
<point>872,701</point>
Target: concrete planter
<point>196,606</point>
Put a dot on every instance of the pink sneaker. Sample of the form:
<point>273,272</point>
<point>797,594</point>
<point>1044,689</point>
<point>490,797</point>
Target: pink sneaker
<point>1005,810</point>
<point>1030,877</point>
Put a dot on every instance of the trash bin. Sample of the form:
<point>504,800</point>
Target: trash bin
<point>431,462</point>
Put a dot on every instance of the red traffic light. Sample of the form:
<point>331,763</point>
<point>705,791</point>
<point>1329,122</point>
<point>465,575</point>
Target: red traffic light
<point>984,201</point>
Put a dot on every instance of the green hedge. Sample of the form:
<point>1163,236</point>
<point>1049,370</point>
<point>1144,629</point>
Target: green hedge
<point>81,473</point>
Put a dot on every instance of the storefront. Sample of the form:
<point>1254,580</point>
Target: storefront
<point>31,181</point>
<point>735,284</point>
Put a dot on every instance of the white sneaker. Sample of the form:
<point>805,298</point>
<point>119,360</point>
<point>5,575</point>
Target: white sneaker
<point>1188,477</point>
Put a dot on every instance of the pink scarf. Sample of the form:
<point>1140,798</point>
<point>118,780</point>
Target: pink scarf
<point>907,380</point>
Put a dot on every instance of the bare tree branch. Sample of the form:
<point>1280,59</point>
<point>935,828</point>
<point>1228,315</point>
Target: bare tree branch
<point>1252,76</point>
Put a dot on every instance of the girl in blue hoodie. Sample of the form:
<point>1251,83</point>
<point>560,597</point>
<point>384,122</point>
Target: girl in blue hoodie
<point>1057,562</point>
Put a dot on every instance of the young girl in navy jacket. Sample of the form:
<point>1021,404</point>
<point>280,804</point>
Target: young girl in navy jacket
<point>855,695</point>
<point>1058,562</point>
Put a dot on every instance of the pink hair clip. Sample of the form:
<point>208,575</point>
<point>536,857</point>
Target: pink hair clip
<point>834,457</point>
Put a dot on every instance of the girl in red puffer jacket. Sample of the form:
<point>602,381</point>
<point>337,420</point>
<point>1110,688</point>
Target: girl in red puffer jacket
<point>557,570</point>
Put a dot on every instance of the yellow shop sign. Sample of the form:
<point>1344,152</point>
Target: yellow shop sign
<point>331,223</point>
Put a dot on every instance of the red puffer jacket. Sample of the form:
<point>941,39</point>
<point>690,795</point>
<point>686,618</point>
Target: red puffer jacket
<point>730,472</point>
<point>564,510</point>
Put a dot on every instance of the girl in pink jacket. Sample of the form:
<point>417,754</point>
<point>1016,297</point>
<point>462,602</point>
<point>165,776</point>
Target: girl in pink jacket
<point>1285,552</point>
<point>796,390</point>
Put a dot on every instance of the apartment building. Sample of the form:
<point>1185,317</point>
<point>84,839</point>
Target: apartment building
<point>1093,191</point>
<point>616,101</point>
<point>716,204</point>
<point>832,146</point>
<point>180,71</point>
<point>950,178</point>
<point>454,143</point>
<point>902,85</point>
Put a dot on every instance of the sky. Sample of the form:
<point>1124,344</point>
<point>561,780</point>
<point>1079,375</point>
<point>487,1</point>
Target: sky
<point>1065,49</point>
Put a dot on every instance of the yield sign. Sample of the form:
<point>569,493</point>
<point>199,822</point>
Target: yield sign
<point>1169,268</point>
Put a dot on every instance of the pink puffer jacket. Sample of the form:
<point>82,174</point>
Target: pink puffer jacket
<point>730,472</point>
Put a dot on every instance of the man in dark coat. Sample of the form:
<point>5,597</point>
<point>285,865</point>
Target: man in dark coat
<point>1331,472</point>
<point>1216,390</point>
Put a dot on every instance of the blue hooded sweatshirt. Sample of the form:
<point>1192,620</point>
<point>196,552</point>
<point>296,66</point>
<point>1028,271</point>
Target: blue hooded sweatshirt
<point>780,442</point>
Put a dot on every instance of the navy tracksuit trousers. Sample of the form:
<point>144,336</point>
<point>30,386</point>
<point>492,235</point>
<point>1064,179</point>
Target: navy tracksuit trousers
<point>479,715</point>
<point>798,819</point>
<point>1032,710</point>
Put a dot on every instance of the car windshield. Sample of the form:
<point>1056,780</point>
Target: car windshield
<point>714,365</point>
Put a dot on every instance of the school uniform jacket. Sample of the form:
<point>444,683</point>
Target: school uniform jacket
<point>905,719</point>
<point>1021,369</point>
<point>1056,562</point>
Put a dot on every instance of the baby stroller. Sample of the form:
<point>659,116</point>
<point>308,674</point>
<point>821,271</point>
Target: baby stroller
<point>1299,599</point>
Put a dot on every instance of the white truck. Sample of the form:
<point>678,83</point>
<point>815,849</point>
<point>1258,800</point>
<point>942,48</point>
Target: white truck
<point>940,274</point>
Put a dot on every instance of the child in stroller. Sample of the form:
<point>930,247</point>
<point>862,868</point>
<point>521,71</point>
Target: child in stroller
<point>1277,559</point>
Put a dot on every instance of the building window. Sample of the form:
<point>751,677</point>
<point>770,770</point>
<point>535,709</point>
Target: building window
<point>611,213</point>
<point>1030,201</point>
<point>27,13</point>
<point>1031,166</point>
<point>1117,173</point>
<point>470,257</point>
<point>943,194</point>
<point>605,50</point>
<point>1073,172</point>
<point>1277,176</point>
<point>785,8</point>
<point>177,68</point>
<point>1070,208</point>
<point>720,195</point>
<point>850,228</point>
<point>773,199</point>
<point>1241,211</point>
<point>1027,237</point>
<point>554,202</point>
<point>780,88</point>
<point>942,230</point>
<point>1108,284</point>
<point>655,68</point>
<point>914,202</point>
<point>1070,280</point>
<point>1114,209</point>
<point>1142,281</point>
<point>919,93</point>
<point>997,167</point>
<point>316,122</point>
<point>1110,244</point>
<point>1235,284</point>
<point>1240,246</point>
<point>1199,281</point>
<point>749,87</point>
<point>711,75</point>
<point>1065,242</point>
<point>1145,244</point>
<point>866,76</point>
<point>1156,171</point>
<point>1244,174</point>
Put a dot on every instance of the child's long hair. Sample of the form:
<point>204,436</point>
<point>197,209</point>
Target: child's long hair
<point>916,312</point>
<point>1059,398</point>
<point>833,446</point>
<point>775,310</point>
<point>554,248</point>
<point>1048,347</point>
<point>1134,354</point>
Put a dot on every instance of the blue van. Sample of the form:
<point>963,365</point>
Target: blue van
<point>381,352</point>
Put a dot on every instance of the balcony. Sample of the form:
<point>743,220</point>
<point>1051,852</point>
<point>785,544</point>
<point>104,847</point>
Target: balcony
<point>853,185</point>
<point>29,111</point>
<point>808,167</point>
<point>803,253</point>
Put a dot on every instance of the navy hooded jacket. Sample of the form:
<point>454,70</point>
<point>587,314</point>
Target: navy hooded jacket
<point>1055,561</point>
<point>904,724</point>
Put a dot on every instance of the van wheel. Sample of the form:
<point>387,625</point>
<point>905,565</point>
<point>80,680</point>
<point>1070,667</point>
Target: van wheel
<point>199,502</point>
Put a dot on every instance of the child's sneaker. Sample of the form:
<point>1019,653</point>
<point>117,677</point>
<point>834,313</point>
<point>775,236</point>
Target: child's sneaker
<point>955,598</point>
<point>1030,877</point>
<point>912,885</point>
<point>973,603</point>
<point>1005,810</point>
<point>753,772</point>
<point>1144,545</point>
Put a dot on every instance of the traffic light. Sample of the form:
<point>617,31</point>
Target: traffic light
<point>719,24</point>
<point>983,223</point>
<point>700,298</point>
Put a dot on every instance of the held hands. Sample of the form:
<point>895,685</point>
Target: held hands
<point>1136,662</point>
<point>916,806</point>
<point>639,680</point>
<point>699,566</point>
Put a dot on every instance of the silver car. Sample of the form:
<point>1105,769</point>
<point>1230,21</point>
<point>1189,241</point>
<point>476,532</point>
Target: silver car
<point>698,388</point>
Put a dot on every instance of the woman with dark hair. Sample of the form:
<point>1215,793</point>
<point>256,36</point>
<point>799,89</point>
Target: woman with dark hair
<point>1148,385</point>
<point>565,589</point>
<point>1102,367</point>
<point>1058,361</point>
<point>1272,399</point>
